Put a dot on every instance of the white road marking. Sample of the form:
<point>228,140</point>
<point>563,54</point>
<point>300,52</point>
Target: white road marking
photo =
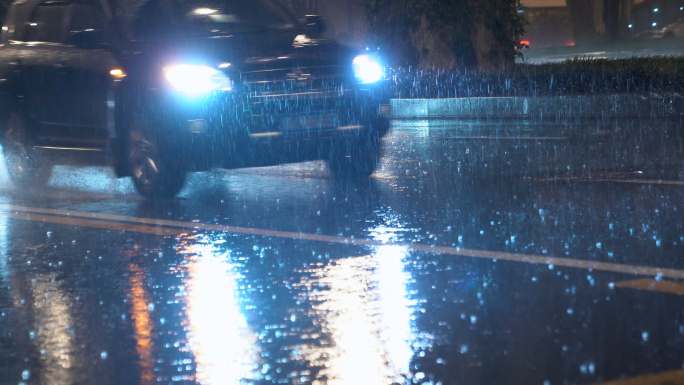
<point>78,218</point>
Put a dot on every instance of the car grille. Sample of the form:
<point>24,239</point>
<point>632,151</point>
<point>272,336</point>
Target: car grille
<point>276,93</point>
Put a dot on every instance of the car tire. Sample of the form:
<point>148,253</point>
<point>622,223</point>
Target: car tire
<point>357,162</point>
<point>23,165</point>
<point>154,165</point>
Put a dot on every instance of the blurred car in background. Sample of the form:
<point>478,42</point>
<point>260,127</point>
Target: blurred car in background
<point>675,29</point>
<point>651,34</point>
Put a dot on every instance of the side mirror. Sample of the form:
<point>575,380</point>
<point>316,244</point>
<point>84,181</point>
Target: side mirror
<point>89,39</point>
<point>314,25</point>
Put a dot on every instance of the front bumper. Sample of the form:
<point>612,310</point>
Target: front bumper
<point>238,130</point>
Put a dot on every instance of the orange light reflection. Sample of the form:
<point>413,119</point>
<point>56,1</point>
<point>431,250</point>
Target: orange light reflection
<point>142,324</point>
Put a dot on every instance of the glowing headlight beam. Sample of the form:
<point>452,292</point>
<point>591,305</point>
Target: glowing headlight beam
<point>367,70</point>
<point>196,79</point>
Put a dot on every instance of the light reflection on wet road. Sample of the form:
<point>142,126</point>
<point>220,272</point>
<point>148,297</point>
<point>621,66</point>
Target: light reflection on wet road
<point>287,276</point>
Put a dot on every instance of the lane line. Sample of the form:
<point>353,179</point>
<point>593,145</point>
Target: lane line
<point>162,231</point>
<point>661,286</point>
<point>78,218</point>
<point>589,179</point>
<point>638,181</point>
<point>508,137</point>
<point>673,377</point>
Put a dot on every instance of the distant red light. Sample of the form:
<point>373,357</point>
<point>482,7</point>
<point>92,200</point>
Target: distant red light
<point>525,42</point>
<point>570,43</point>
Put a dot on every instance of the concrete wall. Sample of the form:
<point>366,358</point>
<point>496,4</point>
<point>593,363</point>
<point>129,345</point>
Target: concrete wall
<point>544,107</point>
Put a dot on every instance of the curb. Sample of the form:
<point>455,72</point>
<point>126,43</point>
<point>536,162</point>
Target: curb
<point>652,105</point>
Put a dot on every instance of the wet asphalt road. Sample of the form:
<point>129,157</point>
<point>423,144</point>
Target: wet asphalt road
<point>553,254</point>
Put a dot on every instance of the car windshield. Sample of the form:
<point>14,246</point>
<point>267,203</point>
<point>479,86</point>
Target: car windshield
<point>259,13</point>
<point>183,17</point>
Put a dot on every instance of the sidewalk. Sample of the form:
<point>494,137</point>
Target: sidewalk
<point>652,105</point>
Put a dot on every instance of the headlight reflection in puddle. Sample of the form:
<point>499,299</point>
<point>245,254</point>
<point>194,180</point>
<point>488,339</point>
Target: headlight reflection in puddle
<point>364,310</point>
<point>220,339</point>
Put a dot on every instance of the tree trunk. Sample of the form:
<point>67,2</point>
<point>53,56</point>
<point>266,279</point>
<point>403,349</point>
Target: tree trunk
<point>587,20</point>
<point>611,19</point>
<point>433,46</point>
<point>489,52</point>
<point>624,15</point>
<point>616,14</point>
<point>483,43</point>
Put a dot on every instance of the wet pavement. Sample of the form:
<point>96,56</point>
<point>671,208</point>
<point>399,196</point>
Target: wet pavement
<point>479,253</point>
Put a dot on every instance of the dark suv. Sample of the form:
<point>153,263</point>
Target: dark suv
<point>159,88</point>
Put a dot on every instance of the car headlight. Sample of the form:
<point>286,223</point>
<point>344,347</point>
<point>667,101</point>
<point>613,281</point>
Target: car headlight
<point>367,69</point>
<point>196,79</point>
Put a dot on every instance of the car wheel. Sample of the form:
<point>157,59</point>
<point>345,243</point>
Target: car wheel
<point>358,162</point>
<point>154,167</point>
<point>23,166</point>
